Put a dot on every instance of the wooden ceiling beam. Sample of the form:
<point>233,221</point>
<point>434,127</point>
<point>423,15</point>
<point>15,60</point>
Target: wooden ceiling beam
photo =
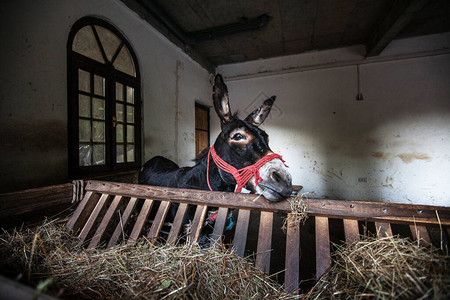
<point>395,21</point>
<point>143,12</point>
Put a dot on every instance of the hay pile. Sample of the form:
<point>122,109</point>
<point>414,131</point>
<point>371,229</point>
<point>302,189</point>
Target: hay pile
<point>387,268</point>
<point>49,254</point>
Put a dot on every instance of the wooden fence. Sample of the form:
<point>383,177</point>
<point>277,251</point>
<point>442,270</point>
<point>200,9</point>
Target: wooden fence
<point>107,209</point>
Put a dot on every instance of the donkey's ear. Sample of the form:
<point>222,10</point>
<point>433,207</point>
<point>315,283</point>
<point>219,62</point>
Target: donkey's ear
<point>221,102</point>
<point>258,116</point>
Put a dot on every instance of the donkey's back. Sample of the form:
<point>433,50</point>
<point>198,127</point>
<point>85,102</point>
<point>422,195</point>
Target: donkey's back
<point>158,171</point>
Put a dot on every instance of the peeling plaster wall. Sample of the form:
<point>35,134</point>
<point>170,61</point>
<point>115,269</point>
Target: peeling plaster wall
<point>33,88</point>
<point>393,146</point>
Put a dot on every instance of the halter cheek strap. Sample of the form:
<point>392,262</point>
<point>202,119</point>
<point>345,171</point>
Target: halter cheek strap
<point>242,176</point>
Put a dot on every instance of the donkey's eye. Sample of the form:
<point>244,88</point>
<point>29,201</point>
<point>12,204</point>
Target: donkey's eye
<point>238,137</point>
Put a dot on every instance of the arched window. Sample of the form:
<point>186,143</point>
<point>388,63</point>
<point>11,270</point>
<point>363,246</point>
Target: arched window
<point>104,100</point>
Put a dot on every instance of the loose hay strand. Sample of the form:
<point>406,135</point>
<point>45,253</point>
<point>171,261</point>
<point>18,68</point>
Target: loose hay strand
<point>299,211</point>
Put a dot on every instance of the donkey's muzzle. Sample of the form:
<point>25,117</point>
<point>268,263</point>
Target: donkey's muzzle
<point>276,183</point>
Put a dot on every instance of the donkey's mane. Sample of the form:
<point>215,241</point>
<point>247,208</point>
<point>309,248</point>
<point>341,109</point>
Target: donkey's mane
<point>201,156</point>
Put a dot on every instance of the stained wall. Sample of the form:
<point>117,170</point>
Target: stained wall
<point>33,88</point>
<point>393,146</point>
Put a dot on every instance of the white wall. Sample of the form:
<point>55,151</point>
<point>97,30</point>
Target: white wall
<point>33,88</point>
<point>393,146</point>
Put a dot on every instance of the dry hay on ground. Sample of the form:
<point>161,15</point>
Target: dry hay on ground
<point>49,253</point>
<point>387,268</point>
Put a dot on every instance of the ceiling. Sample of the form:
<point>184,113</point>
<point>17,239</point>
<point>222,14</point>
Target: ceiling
<point>206,29</point>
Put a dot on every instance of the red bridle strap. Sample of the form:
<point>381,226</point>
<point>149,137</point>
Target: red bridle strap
<point>242,176</point>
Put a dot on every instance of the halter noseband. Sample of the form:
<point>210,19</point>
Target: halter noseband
<point>242,176</point>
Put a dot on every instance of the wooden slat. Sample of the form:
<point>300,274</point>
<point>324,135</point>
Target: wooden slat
<point>177,224</point>
<point>264,242</point>
<point>123,220</point>
<point>158,221</point>
<point>105,222</point>
<point>383,229</point>
<point>323,258</point>
<point>420,232</point>
<point>351,231</point>
<point>83,211</point>
<point>219,225</point>
<point>92,218</point>
<point>240,235</point>
<point>197,223</point>
<point>371,211</point>
<point>140,221</point>
<point>31,200</point>
<point>291,278</point>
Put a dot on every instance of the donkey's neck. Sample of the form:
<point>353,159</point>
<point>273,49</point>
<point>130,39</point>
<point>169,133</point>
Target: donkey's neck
<point>196,177</point>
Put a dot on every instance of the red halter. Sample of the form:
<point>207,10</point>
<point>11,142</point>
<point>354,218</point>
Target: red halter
<point>242,176</point>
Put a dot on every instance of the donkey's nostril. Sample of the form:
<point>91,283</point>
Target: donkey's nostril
<point>276,176</point>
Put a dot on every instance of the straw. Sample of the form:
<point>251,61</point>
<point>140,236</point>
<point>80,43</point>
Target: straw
<point>299,211</point>
<point>143,271</point>
<point>386,268</point>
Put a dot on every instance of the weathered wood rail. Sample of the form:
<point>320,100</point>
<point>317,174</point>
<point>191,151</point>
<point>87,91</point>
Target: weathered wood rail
<point>107,209</point>
<point>31,205</point>
<point>31,200</point>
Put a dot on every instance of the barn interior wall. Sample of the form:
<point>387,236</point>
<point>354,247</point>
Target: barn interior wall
<point>393,146</point>
<point>33,89</point>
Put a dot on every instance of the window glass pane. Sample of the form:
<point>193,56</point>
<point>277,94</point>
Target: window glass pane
<point>119,133</point>
<point>120,157</point>
<point>119,112</point>
<point>130,134</point>
<point>84,106</point>
<point>84,130</point>
<point>130,153</point>
<point>130,94</point>
<point>99,85</point>
<point>130,114</point>
<point>98,132</point>
<point>99,154</point>
<point>119,91</point>
<point>86,44</point>
<point>98,108</point>
<point>85,152</point>
<point>124,62</point>
<point>84,81</point>
<point>109,40</point>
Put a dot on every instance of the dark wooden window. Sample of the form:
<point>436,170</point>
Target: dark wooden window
<point>104,101</point>
<point>201,128</point>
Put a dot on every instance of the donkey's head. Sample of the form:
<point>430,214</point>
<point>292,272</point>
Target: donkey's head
<point>245,147</point>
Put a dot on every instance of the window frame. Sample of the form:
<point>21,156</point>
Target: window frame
<point>208,131</point>
<point>76,61</point>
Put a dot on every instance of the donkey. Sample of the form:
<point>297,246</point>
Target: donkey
<point>240,157</point>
